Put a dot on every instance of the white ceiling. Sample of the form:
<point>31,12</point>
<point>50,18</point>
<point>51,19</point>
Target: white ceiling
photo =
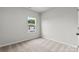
<point>39,9</point>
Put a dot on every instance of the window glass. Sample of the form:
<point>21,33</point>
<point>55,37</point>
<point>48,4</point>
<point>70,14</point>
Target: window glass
<point>31,24</point>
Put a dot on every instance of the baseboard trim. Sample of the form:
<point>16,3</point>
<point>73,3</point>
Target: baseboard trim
<point>75,46</point>
<point>7,44</point>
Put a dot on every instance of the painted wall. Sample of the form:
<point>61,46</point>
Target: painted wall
<point>13,26</point>
<point>78,25</point>
<point>60,24</point>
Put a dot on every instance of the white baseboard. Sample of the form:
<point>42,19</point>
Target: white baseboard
<point>75,46</point>
<point>11,43</point>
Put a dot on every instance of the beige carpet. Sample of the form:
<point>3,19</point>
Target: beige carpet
<point>38,45</point>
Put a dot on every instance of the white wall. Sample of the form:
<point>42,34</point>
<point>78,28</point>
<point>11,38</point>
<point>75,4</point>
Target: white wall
<point>13,26</point>
<point>60,24</point>
<point>78,25</point>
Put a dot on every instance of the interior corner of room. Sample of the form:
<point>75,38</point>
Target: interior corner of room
<point>58,24</point>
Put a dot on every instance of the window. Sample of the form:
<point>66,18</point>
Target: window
<point>31,24</point>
